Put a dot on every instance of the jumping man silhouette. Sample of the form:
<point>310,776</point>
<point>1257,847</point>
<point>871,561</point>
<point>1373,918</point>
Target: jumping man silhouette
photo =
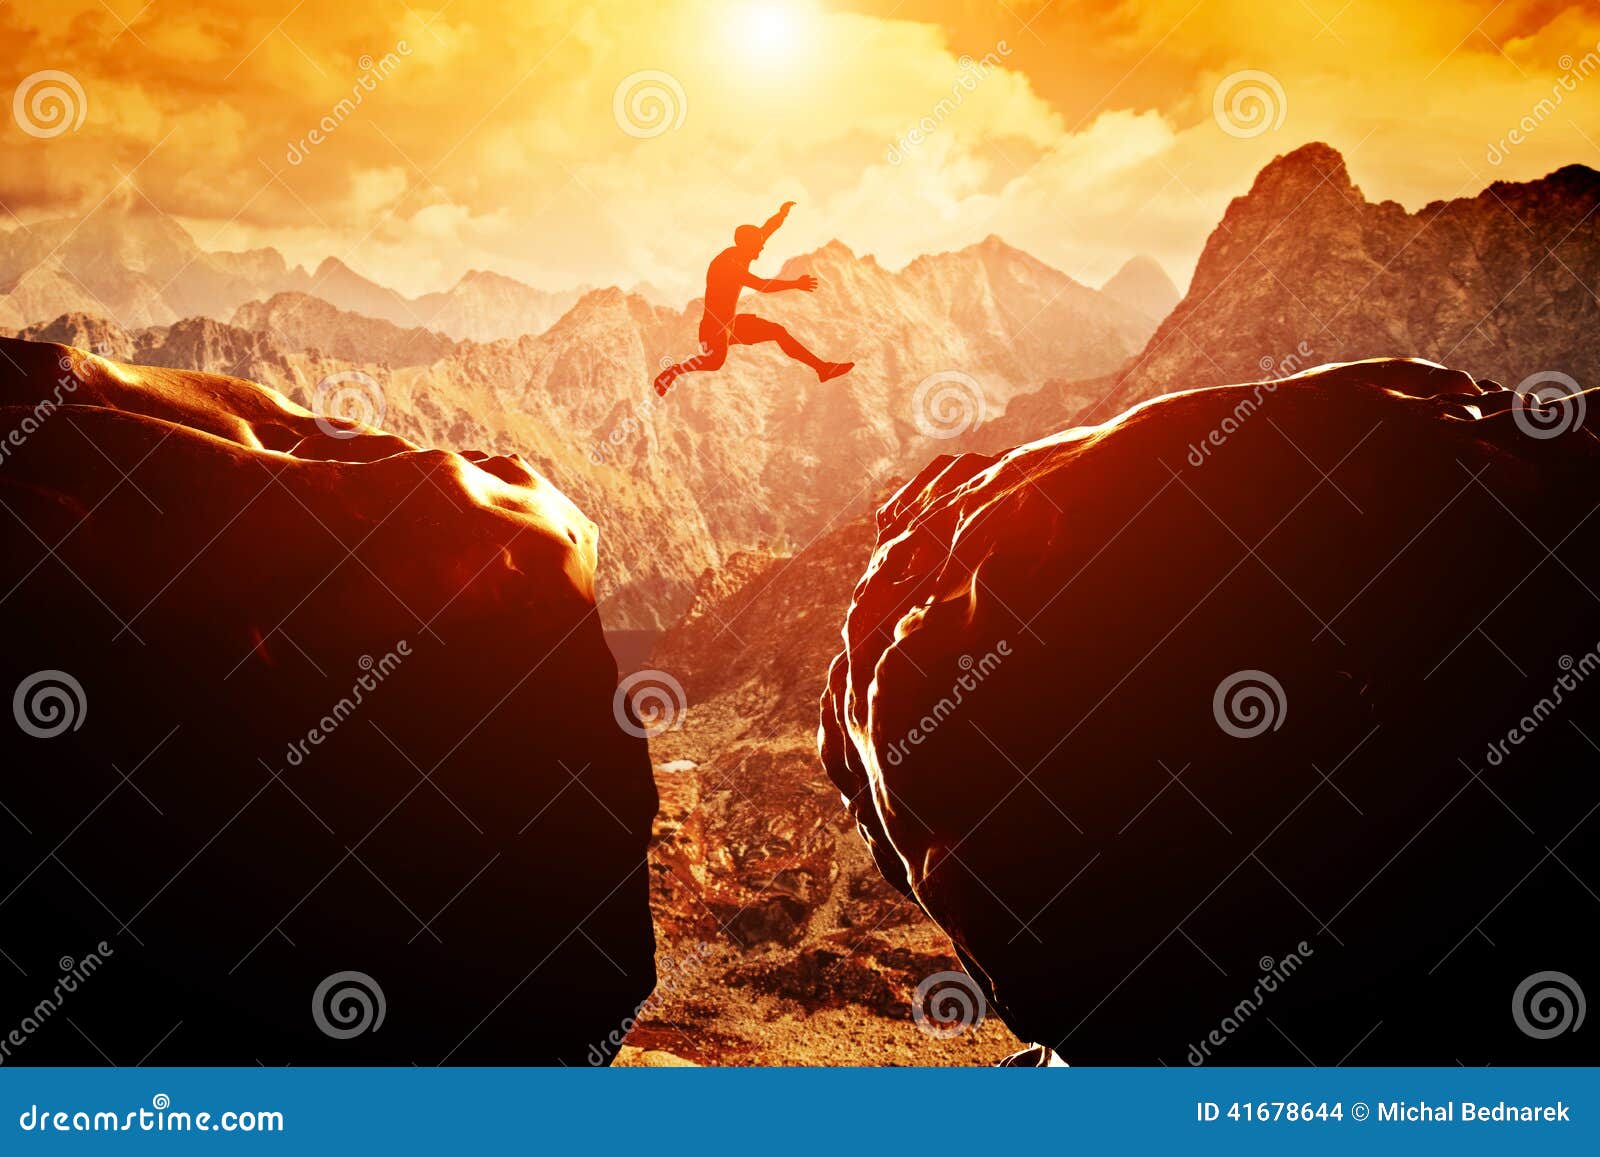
<point>722,325</point>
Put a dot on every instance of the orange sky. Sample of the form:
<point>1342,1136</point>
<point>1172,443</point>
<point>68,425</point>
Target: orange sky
<point>495,140</point>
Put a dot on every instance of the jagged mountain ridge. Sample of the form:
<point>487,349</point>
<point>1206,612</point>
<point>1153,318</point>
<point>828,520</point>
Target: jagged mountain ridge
<point>138,267</point>
<point>1303,270</point>
<point>759,452</point>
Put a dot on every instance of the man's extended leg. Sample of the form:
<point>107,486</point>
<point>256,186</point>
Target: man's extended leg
<point>711,356</point>
<point>751,330</point>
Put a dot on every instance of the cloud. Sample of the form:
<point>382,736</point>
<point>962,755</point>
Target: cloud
<point>494,142</point>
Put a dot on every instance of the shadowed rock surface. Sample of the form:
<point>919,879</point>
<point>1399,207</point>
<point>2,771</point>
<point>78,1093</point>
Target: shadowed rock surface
<point>1028,722</point>
<point>223,575</point>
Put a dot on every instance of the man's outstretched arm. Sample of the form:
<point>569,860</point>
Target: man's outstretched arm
<point>775,220</point>
<point>777,285</point>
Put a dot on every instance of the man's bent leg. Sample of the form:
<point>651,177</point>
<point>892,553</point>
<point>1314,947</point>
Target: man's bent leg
<point>751,330</point>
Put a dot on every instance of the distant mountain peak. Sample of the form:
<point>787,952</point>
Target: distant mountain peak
<point>1142,284</point>
<point>1303,169</point>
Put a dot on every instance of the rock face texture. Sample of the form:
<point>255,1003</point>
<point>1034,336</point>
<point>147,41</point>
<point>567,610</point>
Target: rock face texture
<point>1255,726</point>
<point>305,717</point>
<point>1304,270</point>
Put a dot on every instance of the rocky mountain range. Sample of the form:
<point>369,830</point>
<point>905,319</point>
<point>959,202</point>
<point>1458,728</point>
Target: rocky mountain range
<point>131,264</point>
<point>758,456</point>
<point>1304,269</point>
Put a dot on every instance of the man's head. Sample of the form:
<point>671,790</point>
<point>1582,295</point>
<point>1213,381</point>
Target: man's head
<point>748,239</point>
